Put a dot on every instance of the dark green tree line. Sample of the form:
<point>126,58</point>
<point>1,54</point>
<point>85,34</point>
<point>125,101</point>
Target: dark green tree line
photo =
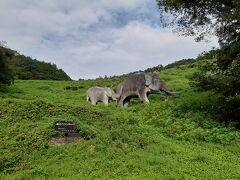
<point>28,68</point>
<point>16,66</point>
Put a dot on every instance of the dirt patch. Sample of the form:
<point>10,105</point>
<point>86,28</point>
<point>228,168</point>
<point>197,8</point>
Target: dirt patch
<point>70,138</point>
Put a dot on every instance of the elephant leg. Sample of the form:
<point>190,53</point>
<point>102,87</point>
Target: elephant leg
<point>125,105</point>
<point>121,101</point>
<point>105,100</point>
<point>143,97</point>
<point>93,101</point>
<point>126,102</point>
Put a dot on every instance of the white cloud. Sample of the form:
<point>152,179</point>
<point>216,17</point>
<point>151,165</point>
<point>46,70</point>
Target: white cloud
<point>93,38</point>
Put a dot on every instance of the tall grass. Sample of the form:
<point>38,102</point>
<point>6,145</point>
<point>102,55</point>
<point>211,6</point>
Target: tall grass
<point>172,138</point>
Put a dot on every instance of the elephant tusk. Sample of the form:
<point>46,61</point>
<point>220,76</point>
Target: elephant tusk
<point>171,92</point>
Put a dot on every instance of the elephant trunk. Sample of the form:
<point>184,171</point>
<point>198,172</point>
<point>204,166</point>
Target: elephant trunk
<point>118,93</point>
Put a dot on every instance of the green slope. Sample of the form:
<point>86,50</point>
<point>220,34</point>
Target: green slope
<point>172,138</point>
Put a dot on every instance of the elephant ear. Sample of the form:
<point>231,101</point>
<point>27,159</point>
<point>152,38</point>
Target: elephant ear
<point>148,78</point>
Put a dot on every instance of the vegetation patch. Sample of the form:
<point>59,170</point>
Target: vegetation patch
<point>171,138</point>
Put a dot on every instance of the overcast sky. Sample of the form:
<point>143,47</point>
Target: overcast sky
<point>94,38</point>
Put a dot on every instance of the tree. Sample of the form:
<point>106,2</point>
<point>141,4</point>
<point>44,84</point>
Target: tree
<point>28,68</point>
<point>6,72</point>
<point>201,18</point>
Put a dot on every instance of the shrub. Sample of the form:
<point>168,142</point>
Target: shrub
<point>6,72</point>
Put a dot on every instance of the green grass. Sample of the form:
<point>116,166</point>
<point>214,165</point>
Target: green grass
<point>172,138</point>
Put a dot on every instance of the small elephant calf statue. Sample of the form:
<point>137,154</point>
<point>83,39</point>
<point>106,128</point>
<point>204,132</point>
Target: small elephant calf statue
<point>95,94</point>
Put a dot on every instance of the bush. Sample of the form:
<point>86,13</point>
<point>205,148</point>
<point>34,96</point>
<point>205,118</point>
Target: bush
<point>6,72</point>
<point>224,82</point>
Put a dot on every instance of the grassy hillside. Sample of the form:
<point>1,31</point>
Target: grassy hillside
<point>172,138</point>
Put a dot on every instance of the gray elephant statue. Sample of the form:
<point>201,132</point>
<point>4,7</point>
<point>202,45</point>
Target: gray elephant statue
<point>140,85</point>
<point>95,94</point>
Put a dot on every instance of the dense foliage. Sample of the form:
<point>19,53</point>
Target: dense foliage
<point>210,77</point>
<point>28,68</point>
<point>6,72</point>
<point>201,18</point>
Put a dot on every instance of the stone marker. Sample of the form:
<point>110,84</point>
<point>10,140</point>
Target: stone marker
<point>66,127</point>
<point>68,133</point>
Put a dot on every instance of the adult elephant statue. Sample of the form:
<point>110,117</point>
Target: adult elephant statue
<point>140,85</point>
